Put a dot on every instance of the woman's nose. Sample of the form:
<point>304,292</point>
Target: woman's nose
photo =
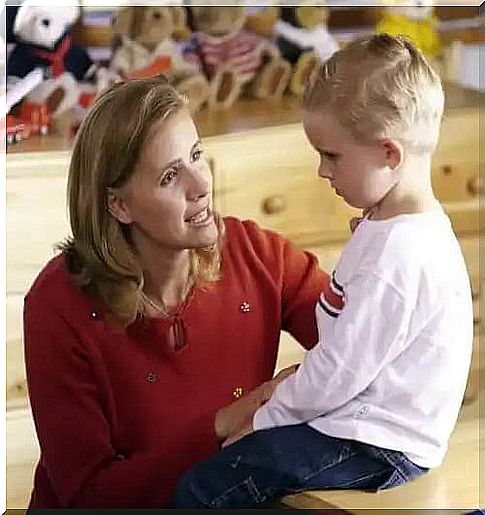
<point>199,185</point>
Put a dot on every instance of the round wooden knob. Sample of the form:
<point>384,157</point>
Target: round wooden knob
<point>446,169</point>
<point>274,205</point>
<point>475,186</point>
<point>18,389</point>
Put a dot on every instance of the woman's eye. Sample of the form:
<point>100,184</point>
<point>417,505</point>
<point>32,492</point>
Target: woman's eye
<point>168,177</point>
<point>197,155</point>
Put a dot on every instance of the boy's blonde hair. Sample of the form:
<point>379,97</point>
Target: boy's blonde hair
<point>380,86</point>
<point>100,255</point>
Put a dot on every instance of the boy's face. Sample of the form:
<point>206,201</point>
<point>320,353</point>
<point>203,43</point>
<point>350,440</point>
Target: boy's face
<point>360,173</point>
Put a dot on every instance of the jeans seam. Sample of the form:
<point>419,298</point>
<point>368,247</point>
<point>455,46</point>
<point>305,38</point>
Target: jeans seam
<point>252,489</point>
<point>360,480</point>
<point>344,455</point>
<point>394,461</point>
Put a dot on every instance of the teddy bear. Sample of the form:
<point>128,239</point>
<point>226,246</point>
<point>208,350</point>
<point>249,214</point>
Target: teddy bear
<point>417,21</point>
<point>146,47</point>
<point>43,40</point>
<point>301,34</point>
<point>234,60</point>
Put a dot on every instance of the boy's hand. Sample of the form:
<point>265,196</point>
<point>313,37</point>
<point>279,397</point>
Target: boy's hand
<point>230,419</point>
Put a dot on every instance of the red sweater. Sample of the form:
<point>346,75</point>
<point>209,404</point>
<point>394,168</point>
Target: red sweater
<point>119,415</point>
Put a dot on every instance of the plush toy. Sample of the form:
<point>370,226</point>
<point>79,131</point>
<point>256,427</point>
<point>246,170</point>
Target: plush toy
<point>234,60</point>
<point>147,48</point>
<point>42,37</point>
<point>415,20</point>
<point>301,35</point>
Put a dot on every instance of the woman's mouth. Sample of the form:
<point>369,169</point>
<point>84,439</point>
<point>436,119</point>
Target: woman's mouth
<point>201,218</point>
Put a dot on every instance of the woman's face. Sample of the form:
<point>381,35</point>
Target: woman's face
<point>168,199</point>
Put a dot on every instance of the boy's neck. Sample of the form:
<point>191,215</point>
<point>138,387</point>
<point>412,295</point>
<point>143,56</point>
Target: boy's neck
<point>413,193</point>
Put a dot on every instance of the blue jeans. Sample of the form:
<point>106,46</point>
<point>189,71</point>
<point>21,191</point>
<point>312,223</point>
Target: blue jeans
<point>266,465</point>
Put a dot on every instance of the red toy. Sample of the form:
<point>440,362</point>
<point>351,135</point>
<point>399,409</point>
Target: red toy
<point>33,119</point>
<point>17,130</point>
<point>38,116</point>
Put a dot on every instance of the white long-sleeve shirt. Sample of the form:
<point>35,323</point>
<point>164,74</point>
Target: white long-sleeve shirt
<point>395,340</point>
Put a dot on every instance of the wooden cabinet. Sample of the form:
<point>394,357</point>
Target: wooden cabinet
<point>268,174</point>
<point>455,170</point>
<point>36,213</point>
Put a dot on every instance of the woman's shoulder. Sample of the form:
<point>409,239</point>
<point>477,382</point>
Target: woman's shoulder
<point>53,285</point>
<point>247,234</point>
<point>247,242</point>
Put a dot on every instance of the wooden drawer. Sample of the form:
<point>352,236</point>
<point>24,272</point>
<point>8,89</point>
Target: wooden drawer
<point>455,170</point>
<point>456,161</point>
<point>36,214</point>
<point>22,456</point>
<point>17,396</point>
<point>471,252</point>
<point>270,176</point>
<point>15,365</point>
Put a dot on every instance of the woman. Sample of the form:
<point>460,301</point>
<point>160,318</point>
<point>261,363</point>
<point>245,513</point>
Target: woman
<point>157,313</point>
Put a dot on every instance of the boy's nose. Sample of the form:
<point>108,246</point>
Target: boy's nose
<point>324,172</point>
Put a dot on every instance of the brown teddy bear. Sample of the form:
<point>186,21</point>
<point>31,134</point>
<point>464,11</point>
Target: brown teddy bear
<point>146,47</point>
<point>234,60</point>
<point>301,34</point>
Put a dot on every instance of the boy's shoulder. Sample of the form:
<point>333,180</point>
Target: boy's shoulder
<point>400,244</point>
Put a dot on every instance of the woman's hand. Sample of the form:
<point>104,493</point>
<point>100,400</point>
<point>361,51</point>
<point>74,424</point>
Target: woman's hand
<point>232,419</point>
<point>283,374</point>
<point>244,431</point>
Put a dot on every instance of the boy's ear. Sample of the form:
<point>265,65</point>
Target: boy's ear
<point>393,153</point>
<point>117,207</point>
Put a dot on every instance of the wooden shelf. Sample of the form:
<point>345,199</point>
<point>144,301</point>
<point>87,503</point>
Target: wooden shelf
<point>244,115</point>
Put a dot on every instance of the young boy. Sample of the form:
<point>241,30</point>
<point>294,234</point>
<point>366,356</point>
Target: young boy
<point>374,403</point>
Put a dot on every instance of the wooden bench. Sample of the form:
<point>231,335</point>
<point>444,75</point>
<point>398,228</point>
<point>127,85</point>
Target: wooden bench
<point>455,485</point>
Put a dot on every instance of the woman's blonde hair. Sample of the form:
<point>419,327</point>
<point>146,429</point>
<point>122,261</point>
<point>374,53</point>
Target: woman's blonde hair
<point>380,86</point>
<point>99,255</point>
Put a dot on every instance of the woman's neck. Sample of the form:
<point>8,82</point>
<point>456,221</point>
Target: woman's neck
<point>166,273</point>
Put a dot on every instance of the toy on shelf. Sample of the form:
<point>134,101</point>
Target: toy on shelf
<point>37,116</point>
<point>32,118</point>
<point>234,60</point>
<point>417,21</point>
<point>42,39</point>
<point>302,37</point>
<point>147,48</point>
<point>16,130</point>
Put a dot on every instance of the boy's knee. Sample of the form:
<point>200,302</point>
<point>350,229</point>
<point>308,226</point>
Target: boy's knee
<point>188,492</point>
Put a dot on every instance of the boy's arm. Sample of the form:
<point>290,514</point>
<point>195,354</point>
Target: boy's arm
<point>369,333</point>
